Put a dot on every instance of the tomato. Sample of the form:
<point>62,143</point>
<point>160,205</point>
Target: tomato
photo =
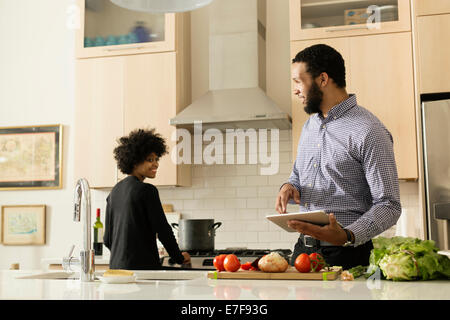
<point>218,262</point>
<point>231,263</point>
<point>317,261</point>
<point>303,263</point>
<point>246,266</point>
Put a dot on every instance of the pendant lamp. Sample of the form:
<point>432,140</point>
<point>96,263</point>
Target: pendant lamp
<point>161,6</point>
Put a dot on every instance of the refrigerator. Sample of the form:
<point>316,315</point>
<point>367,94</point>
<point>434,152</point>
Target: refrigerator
<point>436,152</point>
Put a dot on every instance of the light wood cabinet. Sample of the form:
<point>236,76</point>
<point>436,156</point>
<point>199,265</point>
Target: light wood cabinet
<point>98,119</point>
<point>429,7</point>
<point>380,73</point>
<point>106,29</point>
<point>433,34</point>
<point>115,96</point>
<point>324,19</point>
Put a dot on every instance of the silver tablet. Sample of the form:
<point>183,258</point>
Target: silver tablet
<point>318,217</point>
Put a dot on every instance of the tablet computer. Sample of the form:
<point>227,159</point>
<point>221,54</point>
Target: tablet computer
<point>318,217</point>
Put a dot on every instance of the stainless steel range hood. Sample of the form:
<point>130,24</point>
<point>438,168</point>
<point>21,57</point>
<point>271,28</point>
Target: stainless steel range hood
<point>242,108</point>
<point>234,99</point>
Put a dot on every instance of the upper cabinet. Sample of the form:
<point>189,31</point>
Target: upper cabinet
<point>109,30</point>
<point>433,32</point>
<point>320,19</point>
<point>427,7</point>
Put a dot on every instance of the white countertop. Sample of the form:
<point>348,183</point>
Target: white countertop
<point>202,288</point>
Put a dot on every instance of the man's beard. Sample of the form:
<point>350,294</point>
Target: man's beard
<point>314,100</point>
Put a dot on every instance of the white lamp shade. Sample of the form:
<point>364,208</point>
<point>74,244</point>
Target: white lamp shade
<point>161,6</point>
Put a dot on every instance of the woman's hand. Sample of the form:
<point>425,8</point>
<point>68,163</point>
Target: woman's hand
<point>332,232</point>
<point>187,258</point>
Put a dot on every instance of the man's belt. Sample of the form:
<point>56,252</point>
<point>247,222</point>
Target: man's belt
<point>309,241</point>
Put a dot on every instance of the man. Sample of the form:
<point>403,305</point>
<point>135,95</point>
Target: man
<point>345,165</point>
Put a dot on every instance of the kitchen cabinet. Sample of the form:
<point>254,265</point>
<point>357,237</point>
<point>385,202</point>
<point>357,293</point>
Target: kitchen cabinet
<point>323,19</point>
<point>117,95</point>
<point>106,29</point>
<point>433,33</point>
<point>429,7</point>
<point>380,73</point>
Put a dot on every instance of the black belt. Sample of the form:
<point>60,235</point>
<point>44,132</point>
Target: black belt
<point>309,241</point>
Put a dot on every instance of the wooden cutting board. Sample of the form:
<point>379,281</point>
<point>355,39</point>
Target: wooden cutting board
<point>290,274</point>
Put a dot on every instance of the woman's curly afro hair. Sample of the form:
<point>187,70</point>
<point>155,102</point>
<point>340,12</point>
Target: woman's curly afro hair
<point>136,147</point>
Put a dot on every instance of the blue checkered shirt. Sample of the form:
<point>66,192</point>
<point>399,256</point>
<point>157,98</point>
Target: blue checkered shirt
<point>345,165</point>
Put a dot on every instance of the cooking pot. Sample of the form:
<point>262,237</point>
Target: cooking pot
<point>196,234</point>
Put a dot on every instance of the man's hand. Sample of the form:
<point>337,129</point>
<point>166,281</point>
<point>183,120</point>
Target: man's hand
<point>332,232</point>
<point>287,192</point>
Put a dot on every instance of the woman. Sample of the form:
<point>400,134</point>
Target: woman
<point>134,214</point>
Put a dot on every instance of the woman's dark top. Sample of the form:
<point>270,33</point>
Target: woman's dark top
<point>134,219</point>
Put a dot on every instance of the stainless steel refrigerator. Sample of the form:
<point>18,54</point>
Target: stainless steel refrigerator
<point>436,147</point>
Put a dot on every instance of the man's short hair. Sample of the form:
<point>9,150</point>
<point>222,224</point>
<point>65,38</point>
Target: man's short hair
<point>322,58</point>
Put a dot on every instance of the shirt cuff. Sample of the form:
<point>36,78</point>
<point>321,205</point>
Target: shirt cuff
<point>358,233</point>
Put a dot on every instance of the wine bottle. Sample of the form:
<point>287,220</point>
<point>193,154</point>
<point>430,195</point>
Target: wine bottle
<point>98,235</point>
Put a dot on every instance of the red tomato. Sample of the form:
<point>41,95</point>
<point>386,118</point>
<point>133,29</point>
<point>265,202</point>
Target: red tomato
<point>303,263</point>
<point>246,266</point>
<point>317,261</point>
<point>218,262</point>
<point>231,263</point>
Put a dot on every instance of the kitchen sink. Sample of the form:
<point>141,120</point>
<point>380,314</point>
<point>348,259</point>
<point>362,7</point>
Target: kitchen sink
<point>140,275</point>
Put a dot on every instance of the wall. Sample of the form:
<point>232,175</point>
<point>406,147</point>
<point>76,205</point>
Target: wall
<point>36,88</point>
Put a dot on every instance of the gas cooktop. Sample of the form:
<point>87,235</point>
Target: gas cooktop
<point>204,259</point>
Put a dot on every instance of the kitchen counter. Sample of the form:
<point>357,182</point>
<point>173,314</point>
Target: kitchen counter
<point>202,288</point>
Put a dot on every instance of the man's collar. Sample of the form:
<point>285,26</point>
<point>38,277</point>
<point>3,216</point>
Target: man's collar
<point>339,109</point>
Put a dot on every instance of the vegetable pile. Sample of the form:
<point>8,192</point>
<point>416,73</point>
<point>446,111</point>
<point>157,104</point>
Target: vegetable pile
<point>406,258</point>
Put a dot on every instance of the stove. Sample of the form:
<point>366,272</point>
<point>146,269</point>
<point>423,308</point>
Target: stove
<point>204,259</point>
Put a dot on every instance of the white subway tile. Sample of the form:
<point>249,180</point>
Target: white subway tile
<point>268,191</point>
<point>236,204</point>
<point>246,192</point>
<point>257,203</point>
<point>246,214</point>
<point>246,169</point>
<point>256,180</point>
<point>211,182</point>
<point>257,225</point>
<point>235,181</point>
<point>268,236</point>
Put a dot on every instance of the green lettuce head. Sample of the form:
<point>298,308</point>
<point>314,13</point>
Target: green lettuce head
<point>399,266</point>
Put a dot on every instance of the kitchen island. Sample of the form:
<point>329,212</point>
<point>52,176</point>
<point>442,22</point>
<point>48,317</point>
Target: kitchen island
<point>202,288</point>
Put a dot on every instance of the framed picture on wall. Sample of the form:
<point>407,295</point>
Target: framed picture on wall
<point>23,225</point>
<point>31,157</point>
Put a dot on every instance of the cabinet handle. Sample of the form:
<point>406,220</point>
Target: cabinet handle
<point>347,29</point>
<point>125,48</point>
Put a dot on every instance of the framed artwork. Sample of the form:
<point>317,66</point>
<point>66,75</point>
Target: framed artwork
<point>23,225</point>
<point>31,157</point>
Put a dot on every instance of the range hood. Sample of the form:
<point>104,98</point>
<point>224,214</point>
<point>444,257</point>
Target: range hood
<point>235,99</point>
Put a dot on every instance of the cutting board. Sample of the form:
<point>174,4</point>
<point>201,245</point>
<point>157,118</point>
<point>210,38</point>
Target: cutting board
<point>290,274</point>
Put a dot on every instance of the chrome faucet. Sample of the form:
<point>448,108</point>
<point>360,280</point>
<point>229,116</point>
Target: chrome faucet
<point>87,255</point>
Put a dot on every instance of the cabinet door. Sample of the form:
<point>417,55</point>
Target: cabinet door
<point>429,7</point>
<point>318,19</point>
<point>434,53</point>
<point>108,30</point>
<point>299,116</point>
<point>382,78</point>
<point>150,101</point>
<point>98,119</point>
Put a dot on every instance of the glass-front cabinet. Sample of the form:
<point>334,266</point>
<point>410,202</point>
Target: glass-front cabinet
<point>316,19</point>
<point>106,29</point>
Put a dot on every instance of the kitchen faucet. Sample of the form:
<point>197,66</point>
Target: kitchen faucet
<point>87,256</point>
